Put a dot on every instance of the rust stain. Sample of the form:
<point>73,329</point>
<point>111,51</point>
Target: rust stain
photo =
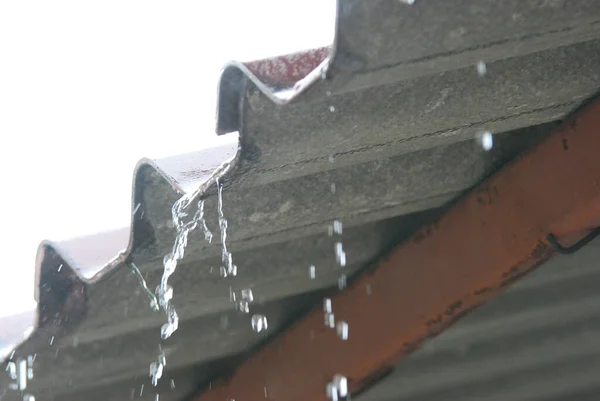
<point>423,286</point>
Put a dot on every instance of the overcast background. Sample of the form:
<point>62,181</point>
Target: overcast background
<point>89,88</point>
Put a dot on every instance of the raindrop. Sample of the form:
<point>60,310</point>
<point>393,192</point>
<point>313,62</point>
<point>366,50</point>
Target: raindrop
<point>332,392</point>
<point>481,68</point>
<point>51,340</point>
<point>340,255</point>
<point>341,383</point>
<point>60,267</point>
<point>156,398</point>
<point>486,140</point>
<point>172,384</point>
<point>247,295</point>
<point>332,109</point>
<point>244,306</point>
<point>329,320</point>
<point>342,282</point>
<point>342,330</point>
<point>141,390</point>
<point>337,227</point>
<point>259,323</point>
<point>136,208</point>
<point>312,270</point>
<point>327,305</point>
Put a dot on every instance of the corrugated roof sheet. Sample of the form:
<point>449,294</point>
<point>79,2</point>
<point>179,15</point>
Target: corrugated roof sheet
<point>396,105</point>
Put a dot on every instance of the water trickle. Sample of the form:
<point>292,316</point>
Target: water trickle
<point>481,68</point>
<point>164,291</point>
<point>141,390</point>
<point>151,296</point>
<point>259,323</point>
<point>228,267</point>
<point>156,398</point>
<point>342,330</point>
<point>312,272</point>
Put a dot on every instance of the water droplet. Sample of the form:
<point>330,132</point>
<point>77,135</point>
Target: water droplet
<point>265,390</point>
<point>332,392</point>
<point>330,320</point>
<point>342,282</point>
<point>259,323</point>
<point>60,267</point>
<point>342,330</point>
<point>486,140</point>
<point>340,255</point>
<point>136,208</point>
<point>51,340</point>
<point>28,397</point>
<point>244,306</point>
<point>327,305</point>
<point>141,390</point>
<point>333,188</point>
<point>332,109</point>
<point>247,295</point>
<point>341,383</point>
<point>172,384</point>
<point>22,374</point>
<point>156,371</point>
<point>337,227</point>
<point>481,68</point>
<point>312,272</point>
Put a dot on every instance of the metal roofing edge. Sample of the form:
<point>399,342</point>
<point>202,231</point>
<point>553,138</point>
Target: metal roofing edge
<point>350,65</point>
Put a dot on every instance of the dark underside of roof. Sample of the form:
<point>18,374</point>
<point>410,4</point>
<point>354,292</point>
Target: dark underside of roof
<point>399,111</point>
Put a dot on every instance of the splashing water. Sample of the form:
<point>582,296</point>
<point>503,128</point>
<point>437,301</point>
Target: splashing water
<point>228,268</point>
<point>259,323</point>
<point>164,291</point>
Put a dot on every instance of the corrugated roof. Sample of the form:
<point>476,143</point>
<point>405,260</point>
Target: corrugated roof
<point>396,105</point>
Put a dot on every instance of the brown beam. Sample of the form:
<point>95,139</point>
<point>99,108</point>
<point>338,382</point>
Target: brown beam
<point>487,241</point>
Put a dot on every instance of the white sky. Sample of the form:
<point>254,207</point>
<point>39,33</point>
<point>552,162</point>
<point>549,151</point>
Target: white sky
<point>89,88</point>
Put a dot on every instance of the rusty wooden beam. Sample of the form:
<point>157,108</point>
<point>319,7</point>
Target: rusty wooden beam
<point>487,241</point>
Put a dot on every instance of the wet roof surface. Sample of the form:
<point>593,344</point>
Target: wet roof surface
<point>397,114</point>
